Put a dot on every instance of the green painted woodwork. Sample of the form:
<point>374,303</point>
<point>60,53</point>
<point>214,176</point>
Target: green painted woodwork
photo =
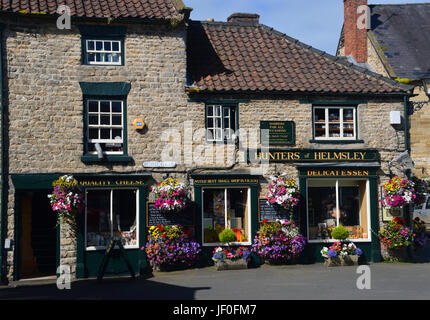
<point>111,89</point>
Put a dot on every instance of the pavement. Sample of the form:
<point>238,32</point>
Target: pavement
<point>392,281</point>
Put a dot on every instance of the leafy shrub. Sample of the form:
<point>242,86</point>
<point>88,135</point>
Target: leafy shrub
<point>340,233</point>
<point>227,236</point>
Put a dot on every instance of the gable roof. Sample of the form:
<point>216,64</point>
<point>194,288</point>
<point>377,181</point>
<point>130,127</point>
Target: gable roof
<point>403,32</point>
<point>243,57</point>
<point>143,9</point>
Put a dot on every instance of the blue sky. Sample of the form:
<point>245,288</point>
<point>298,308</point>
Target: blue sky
<point>314,22</point>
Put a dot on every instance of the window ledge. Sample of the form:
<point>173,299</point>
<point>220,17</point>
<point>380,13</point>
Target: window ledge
<point>106,158</point>
<point>336,141</point>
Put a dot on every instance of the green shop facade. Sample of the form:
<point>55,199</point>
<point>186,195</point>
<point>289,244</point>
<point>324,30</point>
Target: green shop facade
<point>117,204</point>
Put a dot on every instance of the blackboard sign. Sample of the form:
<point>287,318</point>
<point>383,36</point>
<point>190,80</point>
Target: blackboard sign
<point>272,212</point>
<point>155,216</point>
<point>277,133</point>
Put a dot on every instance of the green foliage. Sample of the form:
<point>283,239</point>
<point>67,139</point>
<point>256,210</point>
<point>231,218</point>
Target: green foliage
<point>340,233</point>
<point>227,236</point>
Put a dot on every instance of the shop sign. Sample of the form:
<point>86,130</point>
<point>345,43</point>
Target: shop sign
<point>277,133</point>
<point>271,212</point>
<point>256,156</point>
<point>336,173</point>
<point>111,183</point>
<point>159,164</point>
<point>156,217</point>
<point>229,181</point>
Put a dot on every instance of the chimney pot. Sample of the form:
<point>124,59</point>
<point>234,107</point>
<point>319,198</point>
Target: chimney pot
<point>251,18</point>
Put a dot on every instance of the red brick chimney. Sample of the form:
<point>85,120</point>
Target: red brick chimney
<point>354,30</point>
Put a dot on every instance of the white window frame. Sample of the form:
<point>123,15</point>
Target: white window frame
<point>94,248</point>
<point>226,133</point>
<point>219,244</point>
<point>369,234</point>
<point>102,126</point>
<point>341,122</point>
<point>103,52</point>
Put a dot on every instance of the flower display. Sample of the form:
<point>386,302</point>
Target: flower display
<point>66,199</point>
<point>283,192</point>
<point>420,238</point>
<point>278,241</point>
<point>221,254</point>
<point>397,192</point>
<point>421,189</point>
<point>171,246</point>
<point>170,195</point>
<point>395,234</point>
<point>339,250</point>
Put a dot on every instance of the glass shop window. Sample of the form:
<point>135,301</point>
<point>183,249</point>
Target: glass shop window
<point>111,213</point>
<point>334,202</point>
<point>226,208</point>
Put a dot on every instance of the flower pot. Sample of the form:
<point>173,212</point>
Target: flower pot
<point>399,254</point>
<point>333,262</point>
<point>350,260</point>
<point>231,264</point>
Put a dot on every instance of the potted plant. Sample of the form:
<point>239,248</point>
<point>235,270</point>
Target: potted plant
<point>339,254</point>
<point>396,237</point>
<point>230,258</point>
<point>278,242</point>
<point>397,192</point>
<point>66,200</point>
<point>283,192</point>
<point>170,195</point>
<point>170,248</point>
<point>420,238</point>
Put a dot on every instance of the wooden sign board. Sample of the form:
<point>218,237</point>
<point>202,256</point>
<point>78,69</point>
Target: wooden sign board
<point>155,216</point>
<point>272,212</point>
<point>277,133</point>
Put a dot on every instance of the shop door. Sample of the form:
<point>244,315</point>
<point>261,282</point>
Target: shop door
<point>38,241</point>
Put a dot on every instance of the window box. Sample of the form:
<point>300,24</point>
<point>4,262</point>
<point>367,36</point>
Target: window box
<point>228,264</point>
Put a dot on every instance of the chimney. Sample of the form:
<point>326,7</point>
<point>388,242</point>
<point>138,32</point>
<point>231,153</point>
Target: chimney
<point>355,29</point>
<point>251,18</point>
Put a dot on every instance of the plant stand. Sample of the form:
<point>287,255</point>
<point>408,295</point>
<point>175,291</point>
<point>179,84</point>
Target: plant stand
<point>351,260</point>
<point>399,254</point>
<point>231,264</point>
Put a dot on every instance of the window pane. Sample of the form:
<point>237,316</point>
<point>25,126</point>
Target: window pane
<point>116,120</point>
<point>218,111</point>
<point>93,133</point>
<point>93,106</point>
<point>105,134</point>
<point>334,115</point>
<point>98,57</point>
<point>321,210</point>
<point>115,46</point>
<point>348,129</point>
<point>213,214</point>
<point>320,130</point>
<point>91,57</point>
<point>98,217</point>
<point>210,111</point>
<point>218,123</point>
<point>210,135</point>
<point>237,213</point>
<point>99,45</point>
<point>116,134</point>
<point>124,216</point>
<point>319,115</point>
<point>116,106</point>
<point>93,119</point>
<point>114,57</point>
<point>105,119</point>
<point>210,122</point>
<point>218,134</point>
<point>107,46</point>
<point>334,130</point>
<point>104,106</point>
<point>227,123</point>
<point>348,115</point>
<point>90,45</point>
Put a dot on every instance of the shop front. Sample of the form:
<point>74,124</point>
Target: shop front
<point>115,207</point>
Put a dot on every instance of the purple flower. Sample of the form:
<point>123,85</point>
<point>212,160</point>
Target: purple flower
<point>331,254</point>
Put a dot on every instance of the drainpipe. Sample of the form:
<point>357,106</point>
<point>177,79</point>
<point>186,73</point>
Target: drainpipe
<point>4,182</point>
<point>408,216</point>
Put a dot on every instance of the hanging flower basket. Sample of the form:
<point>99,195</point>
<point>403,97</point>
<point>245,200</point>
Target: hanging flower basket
<point>283,192</point>
<point>170,195</point>
<point>397,193</point>
<point>66,200</point>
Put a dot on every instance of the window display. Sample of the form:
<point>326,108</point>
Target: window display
<point>334,202</point>
<point>111,213</point>
<point>225,209</point>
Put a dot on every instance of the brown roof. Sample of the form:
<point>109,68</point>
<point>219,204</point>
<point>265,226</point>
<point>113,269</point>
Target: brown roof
<point>243,57</point>
<point>146,9</point>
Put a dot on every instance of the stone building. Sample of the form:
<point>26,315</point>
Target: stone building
<point>394,44</point>
<point>226,105</point>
